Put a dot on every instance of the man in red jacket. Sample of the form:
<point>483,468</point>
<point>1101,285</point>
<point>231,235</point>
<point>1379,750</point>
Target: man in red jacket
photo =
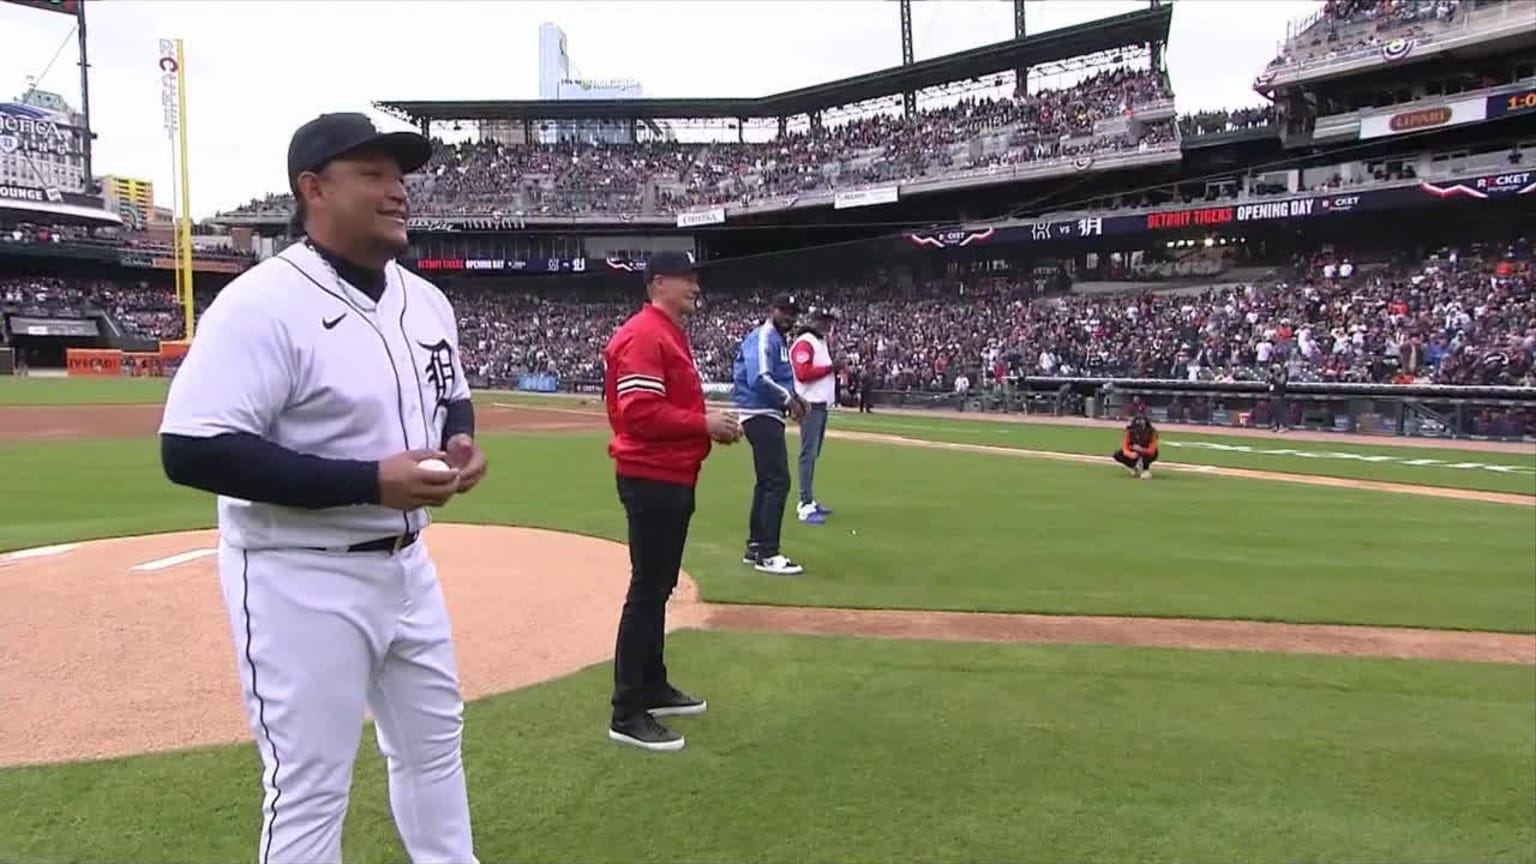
<point>661,436</point>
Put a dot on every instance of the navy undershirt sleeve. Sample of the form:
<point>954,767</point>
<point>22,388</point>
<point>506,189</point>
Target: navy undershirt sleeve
<point>245,466</point>
<point>460,419</point>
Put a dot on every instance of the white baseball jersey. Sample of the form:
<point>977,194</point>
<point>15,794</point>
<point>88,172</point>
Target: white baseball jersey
<point>823,390</point>
<point>290,352</point>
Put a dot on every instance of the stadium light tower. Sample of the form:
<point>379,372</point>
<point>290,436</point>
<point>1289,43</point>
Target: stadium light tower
<point>1021,74</point>
<point>908,99</point>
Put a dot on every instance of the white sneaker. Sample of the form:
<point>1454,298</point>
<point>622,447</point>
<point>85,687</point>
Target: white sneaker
<point>1146,473</point>
<point>778,565</point>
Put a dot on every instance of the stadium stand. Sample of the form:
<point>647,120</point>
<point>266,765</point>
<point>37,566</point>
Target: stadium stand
<point>1083,233</point>
<point>1462,316</point>
<point>485,178</point>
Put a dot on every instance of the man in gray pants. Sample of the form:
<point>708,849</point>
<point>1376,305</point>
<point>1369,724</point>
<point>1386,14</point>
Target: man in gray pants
<point>816,384</point>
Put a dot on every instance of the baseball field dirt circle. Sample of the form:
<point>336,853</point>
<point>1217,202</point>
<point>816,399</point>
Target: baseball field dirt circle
<point>115,647</point>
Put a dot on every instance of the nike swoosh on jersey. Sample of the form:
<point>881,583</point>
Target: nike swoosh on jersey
<point>331,324</point>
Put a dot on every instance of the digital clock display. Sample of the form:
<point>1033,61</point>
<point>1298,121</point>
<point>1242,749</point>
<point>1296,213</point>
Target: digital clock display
<point>1507,104</point>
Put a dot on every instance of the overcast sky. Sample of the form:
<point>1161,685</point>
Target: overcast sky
<point>256,69</point>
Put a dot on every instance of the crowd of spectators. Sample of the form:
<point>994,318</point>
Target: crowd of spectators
<point>153,244</point>
<point>1461,316</point>
<point>1216,122</point>
<point>488,178</point>
<point>1347,27</point>
<point>140,309</point>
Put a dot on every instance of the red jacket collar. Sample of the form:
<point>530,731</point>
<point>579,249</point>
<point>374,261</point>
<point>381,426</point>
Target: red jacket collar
<point>650,309</point>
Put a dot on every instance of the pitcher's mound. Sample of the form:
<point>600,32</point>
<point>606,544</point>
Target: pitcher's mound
<point>122,646</point>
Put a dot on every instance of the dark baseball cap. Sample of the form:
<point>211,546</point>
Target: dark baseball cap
<point>669,263</point>
<point>786,301</point>
<point>330,136</point>
<point>823,313</point>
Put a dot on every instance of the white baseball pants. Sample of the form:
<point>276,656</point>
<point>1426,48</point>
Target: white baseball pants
<point>319,636</point>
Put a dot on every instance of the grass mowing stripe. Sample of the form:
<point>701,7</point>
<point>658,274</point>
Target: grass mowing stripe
<point>869,751</point>
<point>1350,457</point>
<point>82,391</point>
<point>1484,471</point>
<point>944,530</point>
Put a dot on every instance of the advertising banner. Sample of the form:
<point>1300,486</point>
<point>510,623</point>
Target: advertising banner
<point>68,327</point>
<point>1399,122</point>
<point>24,193</point>
<point>1489,185</point>
<point>713,216</point>
<point>93,362</point>
<point>866,197</point>
<point>541,382</point>
<point>431,224</point>
<point>500,266</point>
<point>1294,208</point>
<point>29,129</point>
<point>137,258</point>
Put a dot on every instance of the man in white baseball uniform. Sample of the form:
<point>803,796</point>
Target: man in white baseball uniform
<point>316,384</point>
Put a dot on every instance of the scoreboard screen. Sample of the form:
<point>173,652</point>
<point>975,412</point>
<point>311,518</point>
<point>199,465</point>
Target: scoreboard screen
<point>1519,102</point>
<point>67,7</point>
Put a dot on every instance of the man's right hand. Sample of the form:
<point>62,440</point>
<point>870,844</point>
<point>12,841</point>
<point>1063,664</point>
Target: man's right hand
<point>723,426</point>
<point>404,485</point>
<point>797,408</point>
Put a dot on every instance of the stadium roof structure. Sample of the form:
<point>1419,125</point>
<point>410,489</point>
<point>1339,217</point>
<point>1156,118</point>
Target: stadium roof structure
<point>1105,34</point>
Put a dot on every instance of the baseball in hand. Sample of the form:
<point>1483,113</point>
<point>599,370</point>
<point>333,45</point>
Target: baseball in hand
<point>434,465</point>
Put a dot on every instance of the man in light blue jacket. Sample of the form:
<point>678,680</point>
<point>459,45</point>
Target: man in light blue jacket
<point>763,391</point>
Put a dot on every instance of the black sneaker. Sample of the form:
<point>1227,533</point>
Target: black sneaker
<point>677,704</point>
<point>644,732</point>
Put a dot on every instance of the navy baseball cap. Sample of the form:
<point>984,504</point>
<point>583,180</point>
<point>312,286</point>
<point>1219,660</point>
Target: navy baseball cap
<point>787,302</point>
<point>330,136</point>
<point>669,263</point>
<point>823,313</point>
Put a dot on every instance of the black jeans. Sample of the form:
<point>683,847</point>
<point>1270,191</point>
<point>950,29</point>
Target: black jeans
<point>770,458</point>
<point>658,515</point>
<point>1146,459</point>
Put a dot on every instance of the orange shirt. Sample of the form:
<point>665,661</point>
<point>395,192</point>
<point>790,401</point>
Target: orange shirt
<point>1150,447</point>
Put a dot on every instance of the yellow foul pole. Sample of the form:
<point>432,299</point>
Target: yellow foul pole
<point>185,247</point>
<point>173,111</point>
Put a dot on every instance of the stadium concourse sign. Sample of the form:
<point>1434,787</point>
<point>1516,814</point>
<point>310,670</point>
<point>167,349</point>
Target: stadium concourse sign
<point>1287,208</point>
<point>712,216</point>
<point>41,199</point>
<point>866,197</point>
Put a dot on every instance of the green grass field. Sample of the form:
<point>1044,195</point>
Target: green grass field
<point>873,750</point>
<point>1352,458</point>
<point>944,530</point>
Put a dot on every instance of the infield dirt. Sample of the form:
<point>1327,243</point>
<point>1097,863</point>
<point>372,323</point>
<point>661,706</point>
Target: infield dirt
<point>100,659</point>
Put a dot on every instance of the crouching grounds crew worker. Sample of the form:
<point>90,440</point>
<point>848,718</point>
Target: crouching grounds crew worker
<point>816,384</point>
<point>1138,450</point>
<point>763,391</point>
<point>661,437</point>
<point>319,380</point>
